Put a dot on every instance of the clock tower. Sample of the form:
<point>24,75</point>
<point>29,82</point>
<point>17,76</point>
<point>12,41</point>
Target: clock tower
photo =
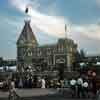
<point>25,44</point>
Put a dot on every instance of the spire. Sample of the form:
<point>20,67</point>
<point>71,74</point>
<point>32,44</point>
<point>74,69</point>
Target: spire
<point>27,35</point>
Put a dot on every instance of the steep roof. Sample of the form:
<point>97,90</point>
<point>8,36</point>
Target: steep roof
<point>27,35</point>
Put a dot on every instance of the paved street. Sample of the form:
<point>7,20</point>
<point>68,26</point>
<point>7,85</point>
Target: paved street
<point>38,94</point>
<point>30,92</point>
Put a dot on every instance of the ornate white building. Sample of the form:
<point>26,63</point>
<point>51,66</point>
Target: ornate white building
<point>45,57</point>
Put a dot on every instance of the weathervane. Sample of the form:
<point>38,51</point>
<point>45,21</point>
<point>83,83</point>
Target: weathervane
<point>26,11</point>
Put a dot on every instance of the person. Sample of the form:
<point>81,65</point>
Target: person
<point>85,89</point>
<point>58,85</point>
<point>35,81</point>
<point>20,85</point>
<point>30,82</point>
<point>5,85</point>
<point>39,82</point>
<point>16,82</point>
<point>25,83</point>
<point>47,83</point>
<point>79,87</point>
<point>43,83</point>
<point>51,84</point>
<point>73,87</point>
<point>66,83</point>
<point>94,88</point>
<point>62,83</point>
<point>12,91</point>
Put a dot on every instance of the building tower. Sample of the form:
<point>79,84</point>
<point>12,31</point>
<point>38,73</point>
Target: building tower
<point>25,44</point>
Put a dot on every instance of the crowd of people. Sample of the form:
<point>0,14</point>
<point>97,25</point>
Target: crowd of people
<point>83,87</point>
<point>80,86</point>
<point>38,82</point>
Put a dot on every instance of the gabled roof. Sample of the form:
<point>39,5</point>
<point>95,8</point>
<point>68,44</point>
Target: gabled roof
<point>27,34</point>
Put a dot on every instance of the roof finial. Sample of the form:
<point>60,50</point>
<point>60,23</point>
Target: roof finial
<point>27,20</point>
<point>26,10</point>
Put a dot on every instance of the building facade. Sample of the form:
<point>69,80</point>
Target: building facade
<point>47,57</point>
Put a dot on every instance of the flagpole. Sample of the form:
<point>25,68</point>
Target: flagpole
<point>65,31</point>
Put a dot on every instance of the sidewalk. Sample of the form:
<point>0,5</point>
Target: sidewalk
<point>38,94</point>
<point>28,92</point>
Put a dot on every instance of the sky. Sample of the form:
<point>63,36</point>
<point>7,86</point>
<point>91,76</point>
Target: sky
<point>48,20</point>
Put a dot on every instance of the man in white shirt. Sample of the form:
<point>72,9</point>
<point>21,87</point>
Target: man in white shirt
<point>85,89</point>
<point>73,87</point>
<point>80,81</point>
<point>43,83</point>
<point>73,82</point>
<point>79,87</point>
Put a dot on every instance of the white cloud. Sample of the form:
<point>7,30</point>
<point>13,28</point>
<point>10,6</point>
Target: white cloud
<point>48,24</point>
<point>97,2</point>
<point>91,30</point>
<point>55,25</point>
<point>20,4</point>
